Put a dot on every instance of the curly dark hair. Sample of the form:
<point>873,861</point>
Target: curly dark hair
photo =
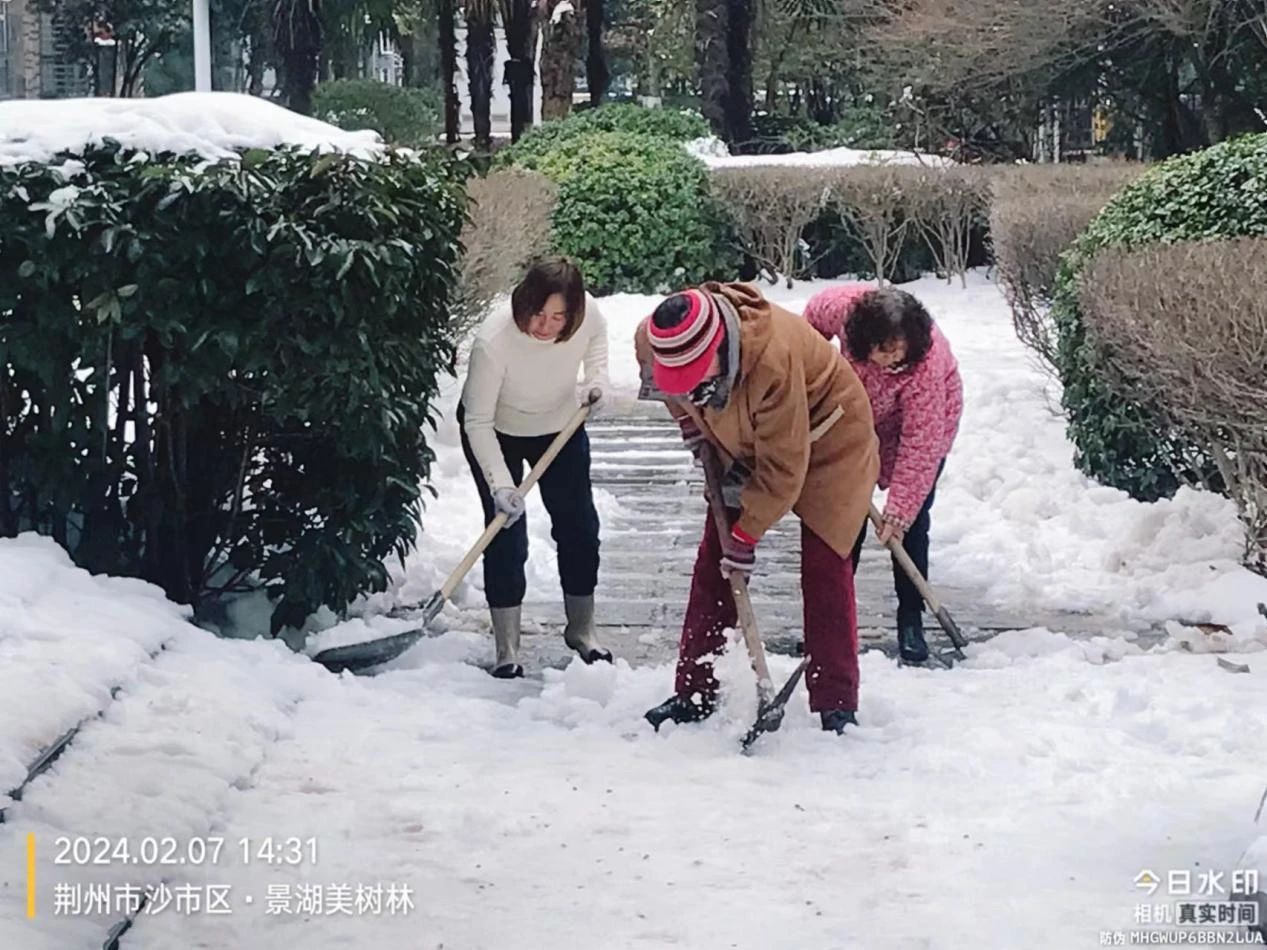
<point>887,314</point>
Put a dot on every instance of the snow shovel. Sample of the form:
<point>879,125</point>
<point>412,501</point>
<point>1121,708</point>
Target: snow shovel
<point>360,656</point>
<point>770,705</point>
<point>944,619</point>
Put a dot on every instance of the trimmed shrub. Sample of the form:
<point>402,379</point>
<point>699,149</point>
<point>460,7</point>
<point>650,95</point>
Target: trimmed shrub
<point>217,375</point>
<point>1220,192</point>
<point>771,207</point>
<point>1036,213</point>
<point>510,214</point>
<point>670,124</point>
<point>947,206</point>
<point>636,213</point>
<point>873,203</point>
<point>1185,327</point>
<point>402,115</point>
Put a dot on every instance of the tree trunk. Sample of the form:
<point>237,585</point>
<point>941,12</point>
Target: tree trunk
<point>739,71</point>
<point>519,20</point>
<point>297,40</point>
<point>596,72</point>
<point>447,29</point>
<point>712,61</point>
<point>480,47</point>
<point>560,49</point>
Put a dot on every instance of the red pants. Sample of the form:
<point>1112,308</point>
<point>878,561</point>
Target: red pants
<point>831,623</point>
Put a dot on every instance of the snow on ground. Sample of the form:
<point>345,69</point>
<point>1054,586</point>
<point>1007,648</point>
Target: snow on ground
<point>211,124</point>
<point>1009,802</point>
<point>713,153</point>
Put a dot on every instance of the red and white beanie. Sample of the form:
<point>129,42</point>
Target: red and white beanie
<point>684,352</point>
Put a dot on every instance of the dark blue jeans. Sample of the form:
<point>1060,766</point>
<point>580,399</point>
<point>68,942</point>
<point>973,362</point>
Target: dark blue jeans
<point>910,605</point>
<point>569,499</point>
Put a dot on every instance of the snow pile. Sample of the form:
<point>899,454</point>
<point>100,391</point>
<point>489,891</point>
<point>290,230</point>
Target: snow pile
<point>211,124</point>
<point>713,153</point>
<point>66,639</point>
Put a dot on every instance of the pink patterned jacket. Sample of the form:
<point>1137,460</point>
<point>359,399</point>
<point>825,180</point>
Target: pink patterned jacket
<point>916,409</point>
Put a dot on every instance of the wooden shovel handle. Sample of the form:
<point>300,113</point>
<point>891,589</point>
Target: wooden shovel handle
<point>904,559</point>
<point>738,583</point>
<point>495,526</point>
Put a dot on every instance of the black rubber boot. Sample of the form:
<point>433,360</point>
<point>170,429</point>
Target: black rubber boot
<point>680,710</point>
<point>837,720</point>
<point>910,641</point>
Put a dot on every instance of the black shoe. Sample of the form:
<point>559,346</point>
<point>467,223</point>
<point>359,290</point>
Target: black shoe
<point>836,720</point>
<point>507,671</point>
<point>680,710</point>
<point>910,642</point>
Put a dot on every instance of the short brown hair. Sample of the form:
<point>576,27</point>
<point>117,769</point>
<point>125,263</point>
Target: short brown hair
<point>546,277</point>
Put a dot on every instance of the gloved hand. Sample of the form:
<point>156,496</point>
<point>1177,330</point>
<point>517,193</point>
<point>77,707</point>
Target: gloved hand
<point>738,554</point>
<point>510,502</point>
<point>691,435</point>
<point>595,398</point>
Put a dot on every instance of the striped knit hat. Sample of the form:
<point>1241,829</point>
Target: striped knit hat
<point>684,351</point>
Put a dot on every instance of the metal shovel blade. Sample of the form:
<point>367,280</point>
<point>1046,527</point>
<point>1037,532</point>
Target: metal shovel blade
<point>355,657</point>
<point>770,714</point>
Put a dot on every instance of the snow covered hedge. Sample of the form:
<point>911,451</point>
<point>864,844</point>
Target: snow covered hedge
<point>1121,439</point>
<point>213,371</point>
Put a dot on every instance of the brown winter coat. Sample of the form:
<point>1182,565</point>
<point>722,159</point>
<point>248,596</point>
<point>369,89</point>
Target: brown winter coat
<point>790,382</point>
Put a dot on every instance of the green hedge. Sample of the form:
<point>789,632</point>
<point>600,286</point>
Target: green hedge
<point>402,115</point>
<point>1217,193</point>
<point>636,212</point>
<point>669,124</point>
<point>282,325</point>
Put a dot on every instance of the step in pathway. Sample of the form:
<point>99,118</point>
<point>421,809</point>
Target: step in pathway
<point>649,547</point>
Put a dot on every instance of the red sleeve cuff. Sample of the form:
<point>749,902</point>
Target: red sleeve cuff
<point>743,536</point>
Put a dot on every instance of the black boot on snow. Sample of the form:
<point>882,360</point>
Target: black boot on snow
<point>679,709</point>
<point>837,720</point>
<point>910,642</point>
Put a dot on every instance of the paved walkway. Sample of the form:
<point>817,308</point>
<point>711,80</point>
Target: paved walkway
<point>649,549</point>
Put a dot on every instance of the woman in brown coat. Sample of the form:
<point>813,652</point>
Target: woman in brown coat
<point>774,397</point>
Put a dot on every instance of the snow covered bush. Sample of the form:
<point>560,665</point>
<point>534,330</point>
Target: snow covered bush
<point>1036,212</point>
<point>1185,327</point>
<point>221,372</point>
<point>671,124</point>
<point>1121,440</point>
<point>402,115</point>
<point>509,224</point>
<point>637,213</point>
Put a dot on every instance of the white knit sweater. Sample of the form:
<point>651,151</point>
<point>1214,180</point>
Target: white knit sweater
<point>519,385</point>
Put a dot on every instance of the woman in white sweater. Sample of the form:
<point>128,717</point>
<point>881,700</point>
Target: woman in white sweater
<point>521,390</point>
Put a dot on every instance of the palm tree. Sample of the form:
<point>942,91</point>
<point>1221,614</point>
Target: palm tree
<point>723,61</point>
<point>297,41</point>
<point>519,20</point>
<point>560,49</point>
<point>481,45</point>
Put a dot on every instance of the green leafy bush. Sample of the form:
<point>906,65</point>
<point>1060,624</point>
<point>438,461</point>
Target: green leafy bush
<point>219,374</point>
<point>1220,192</point>
<point>670,124</point>
<point>636,213</point>
<point>401,115</point>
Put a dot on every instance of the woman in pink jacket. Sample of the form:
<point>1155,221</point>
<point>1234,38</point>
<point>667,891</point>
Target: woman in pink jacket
<point>916,398</point>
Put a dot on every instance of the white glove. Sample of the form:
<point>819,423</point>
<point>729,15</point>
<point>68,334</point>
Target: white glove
<point>509,502</point>
<point>595,398</point>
